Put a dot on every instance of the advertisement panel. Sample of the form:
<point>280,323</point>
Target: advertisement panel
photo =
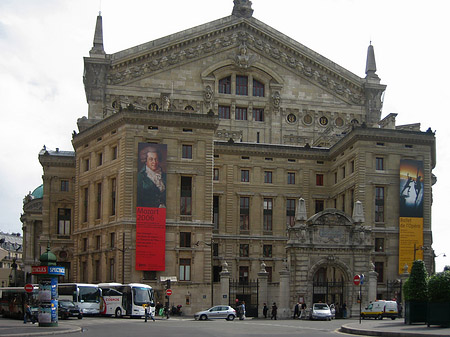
<point>151,207</point>
<point>411,212</point>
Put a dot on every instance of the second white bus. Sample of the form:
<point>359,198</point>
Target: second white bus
<point>85,295</point>
<point>126,299</point>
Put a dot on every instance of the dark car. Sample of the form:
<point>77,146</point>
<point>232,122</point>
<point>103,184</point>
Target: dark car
<point>68,309</point>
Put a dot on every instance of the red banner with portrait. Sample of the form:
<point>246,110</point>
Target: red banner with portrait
<point>151,207</point>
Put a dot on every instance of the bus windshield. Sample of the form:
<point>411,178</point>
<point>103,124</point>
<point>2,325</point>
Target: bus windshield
<point>89,294</point>
<point>142,296</point>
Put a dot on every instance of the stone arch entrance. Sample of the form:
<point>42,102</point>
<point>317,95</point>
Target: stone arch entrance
<point>330,278</point>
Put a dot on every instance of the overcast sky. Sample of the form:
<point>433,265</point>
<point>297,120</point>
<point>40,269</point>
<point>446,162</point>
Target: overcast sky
<point>42,45</point>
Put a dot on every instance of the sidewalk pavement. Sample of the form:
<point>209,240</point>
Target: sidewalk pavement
<point>392,328</point>
<point>16,328</point>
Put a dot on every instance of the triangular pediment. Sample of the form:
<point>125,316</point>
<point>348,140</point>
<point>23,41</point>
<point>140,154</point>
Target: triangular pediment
<point>228,35</point>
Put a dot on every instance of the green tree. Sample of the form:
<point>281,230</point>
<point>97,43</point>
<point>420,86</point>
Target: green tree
<point>415,287</point>
<point>439,287</point>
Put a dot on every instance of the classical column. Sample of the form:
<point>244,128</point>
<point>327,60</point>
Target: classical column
<point>224,284</point>
<point>284,310</point>
<point>263,277</point>
<point>373,278</point>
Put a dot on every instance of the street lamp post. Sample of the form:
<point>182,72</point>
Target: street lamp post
<point>210,245</point>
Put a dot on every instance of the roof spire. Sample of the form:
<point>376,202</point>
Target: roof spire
<point>371,66</point>
<point>242,9</point>
<point>97,49</point>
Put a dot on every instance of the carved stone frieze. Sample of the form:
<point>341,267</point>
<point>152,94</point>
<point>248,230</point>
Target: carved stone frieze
<point>244,41</point>
<point>227,134</point>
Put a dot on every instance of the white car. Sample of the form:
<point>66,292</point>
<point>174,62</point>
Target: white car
<point>321,311</point>
<point>219,311</point>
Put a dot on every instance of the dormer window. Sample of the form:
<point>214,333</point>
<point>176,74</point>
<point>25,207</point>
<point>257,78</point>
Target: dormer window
<point>225,85</point>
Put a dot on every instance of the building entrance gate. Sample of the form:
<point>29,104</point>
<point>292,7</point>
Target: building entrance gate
<point>245,291</point>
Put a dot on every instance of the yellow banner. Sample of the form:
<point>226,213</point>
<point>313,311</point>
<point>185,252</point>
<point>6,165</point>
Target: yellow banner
<point>410,242</point>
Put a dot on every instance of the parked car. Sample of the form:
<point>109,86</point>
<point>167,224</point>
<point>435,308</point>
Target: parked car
<point>320,311</point>
<point>380,309</point>
<point>219,311</point>
<point>68,309</point>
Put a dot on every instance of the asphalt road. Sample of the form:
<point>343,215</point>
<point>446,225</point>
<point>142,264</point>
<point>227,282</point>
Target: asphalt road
<point>107,327</point>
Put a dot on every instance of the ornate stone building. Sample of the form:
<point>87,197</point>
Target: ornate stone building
<point>269,147</point>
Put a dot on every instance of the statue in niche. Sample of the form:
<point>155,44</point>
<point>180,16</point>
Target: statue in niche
<point>165,103</point>
<point>276,99</point>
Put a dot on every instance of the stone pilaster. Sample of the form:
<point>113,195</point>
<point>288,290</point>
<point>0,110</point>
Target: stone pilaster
<point>263,277</point>
<point>224,284</point>
<point>284,310</point>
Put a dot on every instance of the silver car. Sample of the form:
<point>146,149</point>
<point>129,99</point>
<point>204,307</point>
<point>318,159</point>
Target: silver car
<point>219,311</point>
<point>321,311</point>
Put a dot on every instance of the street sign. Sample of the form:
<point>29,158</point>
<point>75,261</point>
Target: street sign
<point>169,292</point>
<point>28,288</point>
<point>361,278</point>
<point>356,280</point>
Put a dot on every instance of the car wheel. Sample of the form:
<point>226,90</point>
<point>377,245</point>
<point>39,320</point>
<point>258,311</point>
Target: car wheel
<point>118,313</point>
<point>363,316</point>
<point>379,317</point>
<point>230,318</point>
<point>203,317</point>
<point>393,318</point>
<point>80,316</point>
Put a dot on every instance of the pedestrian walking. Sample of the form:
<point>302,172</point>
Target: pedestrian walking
<point>274,311</point>
<point>242,311</point>
<point>265,310</point>
<point>296,310</point>
<point>303,312</point>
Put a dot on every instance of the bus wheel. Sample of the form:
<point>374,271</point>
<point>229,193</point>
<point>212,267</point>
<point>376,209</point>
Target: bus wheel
<point>118,313</point>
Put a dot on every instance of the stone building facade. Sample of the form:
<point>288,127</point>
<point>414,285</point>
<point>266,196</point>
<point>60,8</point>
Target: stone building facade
<point>271,146</point>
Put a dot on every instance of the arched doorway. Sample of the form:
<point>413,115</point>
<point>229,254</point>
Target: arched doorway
<point>328,284</point>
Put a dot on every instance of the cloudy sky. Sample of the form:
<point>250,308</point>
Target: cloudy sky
<point>42,45</point>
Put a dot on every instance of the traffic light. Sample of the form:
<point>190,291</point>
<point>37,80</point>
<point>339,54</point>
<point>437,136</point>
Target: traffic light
<point>167,284</point>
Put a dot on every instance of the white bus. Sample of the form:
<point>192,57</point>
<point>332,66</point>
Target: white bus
<point>126,299</point>
<point>85,295</point>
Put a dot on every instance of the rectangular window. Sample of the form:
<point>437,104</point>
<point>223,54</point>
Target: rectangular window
<point>243,250</point>
<point>216,211</point>
<point>242,85</point>
<point>97,270</point>
<point>185,269</point>
<point>343,202</point>
<point>352,200</point>
<point>84,275</point>
<point>319,206</point>
<point>186,151</point>
<point>258,88</point>
<point>224,112</point>
<point>185,239</point>
<point>267,216</point>
<point>86,164</point>
<point>113,196</point>
<point>379,164</point>
<point>64,186</point>
<point>216,271</point>
<point>335,178</point>
<point>114,152</point>
<point>99,159</point>
<point>85,204</point>
<point>99,200</point>
<point>112,240</point>
<point>225,85</point>
<point>85,244</point>
<point>379,268</point>
<point>379,244</point>
<point>343,172</point>
<point>97,242</point>
<point>243,275</point>
<point>267,251</point>
<point>216,174</point>
<point>258,115</point>
<point>112,271</point>
<point>291,178</point>
<point>244,213</point>
<point>268,177</point>
<point>241,114</point>
<point>245,176</point>
<point>379,204</point>
<point>64,219</point>
<point>290,212</point>
<point>319,179</point>
<point>186,196</point>
<point>352,166</point>
<point>215,249</point>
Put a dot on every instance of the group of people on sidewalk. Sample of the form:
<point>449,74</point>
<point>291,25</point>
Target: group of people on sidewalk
<point>273,313</point>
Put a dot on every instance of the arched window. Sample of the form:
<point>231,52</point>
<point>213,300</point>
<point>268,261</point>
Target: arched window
<point>153,107</point>
<point>225,85</point>
<point>189,108</point>
<point>242,85</point>
<point>258,88</point>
